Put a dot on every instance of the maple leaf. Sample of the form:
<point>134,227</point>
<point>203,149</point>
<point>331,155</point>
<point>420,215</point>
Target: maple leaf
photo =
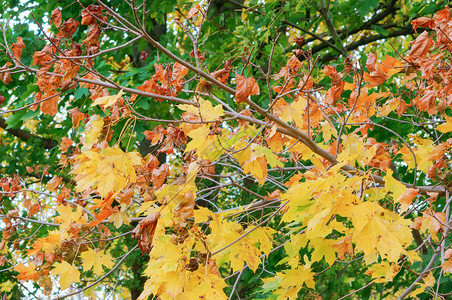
<point>245,87</point>
<point>144,232</point>
<point>27,272</point>
<point>93,129</point>
<point>433,221</point>
<point>118,218</point>
<point>344,247</point>
<point>205,111</point>
<point>383,272</point>
<point>55,17</point>
<point>68,28</point>
<point>223,74</point>
<point>54,183</point>
<point>423,22</point>
<point>107,101</point>
<point>108,171</point>
<point>90,14</point>
<point>17,48</point>
<point>77,116</point>
<point>421,46</point>
<point>446,127</point>
<point>68,273</point>
<point>95,260</point>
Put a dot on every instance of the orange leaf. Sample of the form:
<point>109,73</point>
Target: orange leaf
<point>55,17</point>
<point>344,247</point>
<point>421,46</point>
<point>27,273</point>
<point>17,48</point>
<point>76,116</point>
<point>245,88</point>
<point>423,22</point>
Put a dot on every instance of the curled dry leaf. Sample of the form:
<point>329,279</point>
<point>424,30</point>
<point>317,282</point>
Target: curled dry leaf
<point>421,46</point>
<point>90,14</point>
<point>423,22</point>
<point>68,28</point>
<point>337,85</point>
<point>159,175</point>
<point>5,77</point>
<point>245,88</point>
<point>76,116</point>
<point>55,17</point>
<point>17,48</point>
<point>185,209</point>
<point>223,74</point>
<point>145,231</point>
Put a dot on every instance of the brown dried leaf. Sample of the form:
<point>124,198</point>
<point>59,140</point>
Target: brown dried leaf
<point>245,88</point>
<point>93,36</point>
<point>423,22</point>
<point>223,74</point>
<point>53,184</point>
<point>68,28</point>
<point>427,102</point>
<point>55,17</point>
<point>159,175</point>
<point>145,231</point>
<point>443,15</point>
<point>17,48</point>
<point>5,77</point>
<point>90,13</point>
<point>50,106</point>
<point>421,46</point>
<point>42,57</point>
<point>76,116</point>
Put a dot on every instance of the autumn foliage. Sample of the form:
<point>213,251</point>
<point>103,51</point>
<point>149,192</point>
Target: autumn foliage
<point>280,175</point>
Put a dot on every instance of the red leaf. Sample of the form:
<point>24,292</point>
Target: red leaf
<point>143,55</point>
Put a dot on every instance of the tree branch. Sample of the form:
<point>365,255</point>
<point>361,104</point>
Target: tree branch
<point>25,135</point>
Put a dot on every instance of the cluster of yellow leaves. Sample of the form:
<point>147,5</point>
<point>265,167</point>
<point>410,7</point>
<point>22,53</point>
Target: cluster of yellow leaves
<point>108,170</point>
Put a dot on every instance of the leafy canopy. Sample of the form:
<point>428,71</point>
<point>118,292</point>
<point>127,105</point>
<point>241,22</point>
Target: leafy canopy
<point>217,150</point>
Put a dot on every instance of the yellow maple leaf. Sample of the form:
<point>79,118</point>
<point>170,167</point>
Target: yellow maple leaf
<point>96,259</point>
<point>383,272</point>
<point>108,171</point>
<point>107,101</point>
<point>206,111</point>
<point>205,144</point>
<point>118,218</point>
<point>384,233</point>
<point>446,127</point>
<point>67,216</point>
<point>92,131</point>
<point>68,273</point>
